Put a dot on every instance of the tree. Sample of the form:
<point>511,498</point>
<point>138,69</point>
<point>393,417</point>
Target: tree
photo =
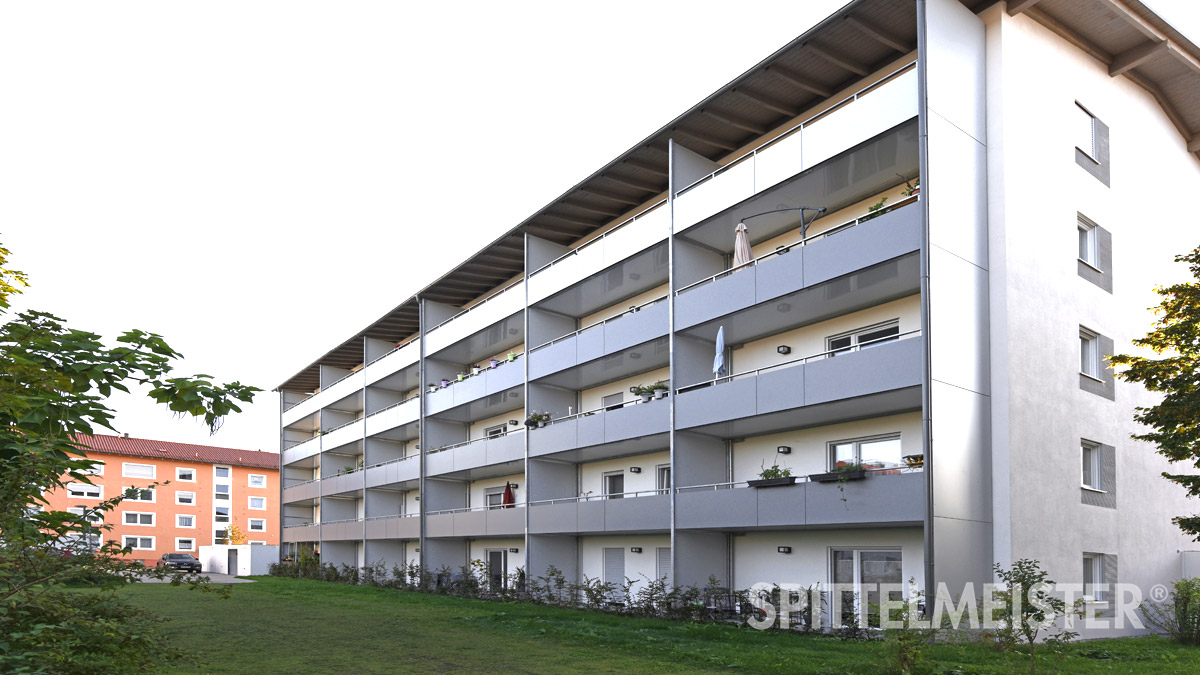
<point>1175,421</point>
<point>234,534</point>
<point>54,384</point>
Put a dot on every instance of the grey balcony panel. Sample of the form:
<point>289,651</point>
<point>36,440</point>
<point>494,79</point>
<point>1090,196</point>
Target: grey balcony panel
<point>439,462</point>
<point>555,518</point>
<point>781,505</point>
<point>553,438</point>
<point>715,299</point>
<point>301,493</point>
<point>732,508</point>
<point>634,421</point>
<point>781,389</point>
<point>348,531</point>
<point>552,358</point>
<point>779,275</point>
<point>306,533</point>
<point>470,523</point>
<point>589,345</point>
<point>393,528</point>
<point>440,525</point>
<point>726,401</point>
<point>507,448</point>
<point>395,472</point>
<point>888,236</point>
<point>346,482</point>
<point>466,456</point>
<point>505,522</point>
<point>470,389</point>
<point>639,513</point>
<point>889,366</point>
<point>590,516</point>
<point>876,499</point>
<point>506,375</point>
<point>634,329</point>
<point>590,430</point>
<point>439,400</point>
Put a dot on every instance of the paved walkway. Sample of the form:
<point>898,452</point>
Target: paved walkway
<point>216,579</point>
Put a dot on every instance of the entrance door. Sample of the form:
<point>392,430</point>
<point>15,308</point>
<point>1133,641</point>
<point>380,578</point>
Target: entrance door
<point>233,566</point>
<point>496,559</point>
<point>866,570</point>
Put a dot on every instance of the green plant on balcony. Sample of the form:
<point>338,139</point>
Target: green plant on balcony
<point>773,475</point>
<point>645,391</point>
<point>537,419</point>
<point>874,211</point>
<point>774,471</point>
<point>912,187</point>
<point>660,389</point>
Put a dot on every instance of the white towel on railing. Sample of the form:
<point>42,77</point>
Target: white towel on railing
<point>719,359</point>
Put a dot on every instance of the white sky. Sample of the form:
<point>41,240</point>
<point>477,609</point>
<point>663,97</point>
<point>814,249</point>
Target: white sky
<point>258,181</point>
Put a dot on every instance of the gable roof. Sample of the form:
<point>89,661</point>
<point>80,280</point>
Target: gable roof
<point>183,452</point>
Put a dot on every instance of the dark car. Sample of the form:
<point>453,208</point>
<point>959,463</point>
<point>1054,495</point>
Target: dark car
<point>179,561</point>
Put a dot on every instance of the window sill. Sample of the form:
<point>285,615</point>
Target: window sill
<point>1091,377</point>
<point>1097,269</point>
<point>1089,488</point>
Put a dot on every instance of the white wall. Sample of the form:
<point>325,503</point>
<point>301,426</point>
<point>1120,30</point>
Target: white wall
<point>809,454</point>
<point>638,566</point>
<point>591,473</point>
<point>513,561</point>
<point>591,398</point>
<point>252,560</point>
<point>479,488</point>
<point>756,558</point>
<point>477,428</point>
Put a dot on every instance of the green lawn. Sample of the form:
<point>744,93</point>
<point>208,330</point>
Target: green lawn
<point>298,626</point>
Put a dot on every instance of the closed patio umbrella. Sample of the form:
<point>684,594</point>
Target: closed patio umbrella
<point>719,359</point>
<point>509,500</point>
<point>741,246</point>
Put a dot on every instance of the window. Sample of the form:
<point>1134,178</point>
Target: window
<point>221,471</point>
<point>182,520</point>
<point>96,469</point>
<point>185,544</point>
<point>137,470</point>
<point>1084,126</point>
<point>258,480</point>
<point>84,491</point>
<point>221,491</point>
<point>866,570</point>
<point>92,517</point>
<point>612,401</point>
<point>258,543</point>
<point>135,518</point>
<point>1093,577</point>
<point>1091,466</point>
<point>1089,245</point>
<point>662,563</point>
<point>1089,353</point>
<point>258,503</point>
<point>614,485</point>
<point>136,494</point>
<point>185,475</point>
<point>139,543</point>
<point>613,571</point>
<point>258,525</point>
<point>186,498</point>
<point>219,536</point>
<point>494,497</point>
<point>876,452</point>
<point>222,514</point>
<point>663,478</point>
<point>495,432</point>
<point>864,338</point>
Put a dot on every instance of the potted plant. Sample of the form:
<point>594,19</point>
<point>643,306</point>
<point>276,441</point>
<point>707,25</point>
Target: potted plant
<point>773,475</point>
<point>445,382</point>
<point>512,356</point>
<point>537,419</point>
<point>873,211</point>
<point>912,187</point>
<point>645,392</point>
<point>660,389</point>
<point>432,387</point>
<point>475,368</point>
<point>461,376</point>
<point>493,362</point>
<point>842,473</point>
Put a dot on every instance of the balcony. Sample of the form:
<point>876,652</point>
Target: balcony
<point>343,434</point>
<point>465,458</point>
<point>388,420</point>
<point>301,532</point>
<point>880,499</point>
<point>602,514</point>
<point>633,421</point>
<point>398,359</point>
<point>613,335</point>
<point>340,483</point>
<point>490,381</point>
<point>874,379</point>
<point>852,121</point>
<point>404,470</point>
<point>494,308</point>
<point>823,260</point>
<point>301,451</point>
<point>479,521</point>
<point>629,237</point>
<point>336,391</point>
<point>399,526</point>
<point>350,529</point>
<point>301,491</point>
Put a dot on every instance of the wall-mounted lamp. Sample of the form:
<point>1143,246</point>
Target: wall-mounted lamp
<point>514,485</point>
<point>784,449</point>
<point>635,549</point>
<point>634,355</point>
<point>783,349</point>
<point>784,549</point>
<point>417,550</point>
<point>635,469</point>
<point>783,307</point>
<point>634,276</point>
<point>633,390</point>
<point>418,498</point>
<point>513,423</point>
<point>513,550</point>
<point>782,249</point>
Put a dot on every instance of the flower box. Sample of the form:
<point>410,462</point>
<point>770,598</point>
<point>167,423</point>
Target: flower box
<point>836,476</point>
<point>772,482</point>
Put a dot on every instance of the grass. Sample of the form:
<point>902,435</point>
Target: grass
<point>300,626</point>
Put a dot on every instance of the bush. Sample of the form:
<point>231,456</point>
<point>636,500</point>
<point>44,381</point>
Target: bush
<point>1179,615</point>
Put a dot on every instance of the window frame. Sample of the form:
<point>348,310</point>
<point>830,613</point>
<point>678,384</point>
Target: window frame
<point>139,538</point>
<point>1089,339</point>
<point>495,431</point>
<point>125,518</point>
<point>185,515</point>
<point>96,516</point>
<point>85,489</point>
<point>659,472</point>
<point>228,515</point>
<point>250,523</point>
<point>181,548</point>
<point>250,480</point>
<point>604,486</point>
<point>831,448</point>
<point>185,492</point>
<point>1089,240</point>
<point>1090,450</point>
<point>250,503</point>
<point>125,466</point>
<point>1098,578</point>
<point>1090,151</point>
<point>185,480</point>
<point>855,334</point>
<point>153,494</point>
<point>97,468</point>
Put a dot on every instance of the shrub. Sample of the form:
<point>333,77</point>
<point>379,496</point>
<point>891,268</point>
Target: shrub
<point>1179,615</point>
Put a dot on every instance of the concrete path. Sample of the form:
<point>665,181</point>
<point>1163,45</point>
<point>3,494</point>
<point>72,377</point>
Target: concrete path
<point>216,579</point>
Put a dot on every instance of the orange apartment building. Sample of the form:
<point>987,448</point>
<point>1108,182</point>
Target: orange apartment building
<point>201,490</point>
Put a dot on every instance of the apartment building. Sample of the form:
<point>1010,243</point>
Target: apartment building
<point>954,210</point>
<point>200,491</point>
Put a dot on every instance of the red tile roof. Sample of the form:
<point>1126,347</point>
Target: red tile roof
<point>205,454</point>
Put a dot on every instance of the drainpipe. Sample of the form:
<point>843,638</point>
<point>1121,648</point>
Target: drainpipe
<point>927,375</point>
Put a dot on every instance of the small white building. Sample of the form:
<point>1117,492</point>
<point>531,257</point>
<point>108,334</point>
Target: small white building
<point>240,561</point>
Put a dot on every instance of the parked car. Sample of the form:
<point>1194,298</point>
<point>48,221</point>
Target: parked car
<point>179,561</point>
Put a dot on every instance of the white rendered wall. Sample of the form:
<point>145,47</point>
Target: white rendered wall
<point>513,561</point>
<point>638,566</point>
<point>592,473</point>
<point>590,399</point>
<point>479,488</point>
<point>756,559</point>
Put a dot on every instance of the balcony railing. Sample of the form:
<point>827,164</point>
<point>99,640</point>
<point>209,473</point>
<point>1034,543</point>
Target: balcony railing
<point>473,509</point>
<point>882,471</point>
<point>631,310</point>
<point>799,127</point>
<point>829,353</point>
<point>595,411</point>
<point>600,497</point>
<point>474,441</point>
<point>393,350</point>
<point>288,486</point>
<point>477,305</point>
<point>395,405</point>
<point>907,201</point>
<point>393,461</point>
<point>310,524</point>
<point>395,515</point>
<point>577,249</point>
<point>482,370</point>
<point>341,426</point>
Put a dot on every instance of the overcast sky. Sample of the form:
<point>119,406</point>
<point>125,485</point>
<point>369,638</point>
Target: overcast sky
<point>257,181</point>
